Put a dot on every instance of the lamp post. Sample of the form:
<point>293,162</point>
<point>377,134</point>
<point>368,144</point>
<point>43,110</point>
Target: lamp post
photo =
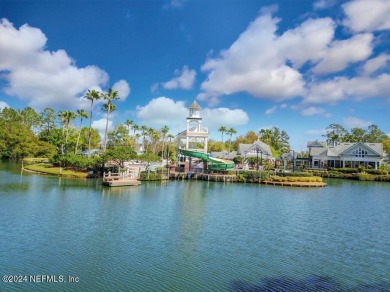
<point>258,150</point>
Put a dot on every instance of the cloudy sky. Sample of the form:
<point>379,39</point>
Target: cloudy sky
<point>298,65</point>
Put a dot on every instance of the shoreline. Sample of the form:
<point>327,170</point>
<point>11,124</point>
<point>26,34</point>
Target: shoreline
<point>59,174</point>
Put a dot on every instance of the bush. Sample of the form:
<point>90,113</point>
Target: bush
<point>366,177</point>
<point>152,176</point>
<point>297,174</point>
<point>344,170</point>
<point>76,162</point>
<point>376,171</point>
<point>277,178</point>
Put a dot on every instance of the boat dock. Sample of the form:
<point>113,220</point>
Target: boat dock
<point>118,180</point>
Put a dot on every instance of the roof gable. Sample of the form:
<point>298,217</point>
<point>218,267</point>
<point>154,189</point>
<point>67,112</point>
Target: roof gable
<point>316,144</point>
<point>370,148</point>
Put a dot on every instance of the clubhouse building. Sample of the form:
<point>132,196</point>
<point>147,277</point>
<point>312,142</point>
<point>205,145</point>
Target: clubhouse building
<point>345,155</point>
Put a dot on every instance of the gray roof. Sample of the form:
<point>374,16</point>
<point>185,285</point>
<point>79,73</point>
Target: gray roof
<point>342,148</point>
<point>194,105</point>
<point>244,149</point>
<point>290,155</point>
<point>224,154</point>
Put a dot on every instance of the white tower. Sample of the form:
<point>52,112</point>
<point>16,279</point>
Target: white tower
<point>195,136</point>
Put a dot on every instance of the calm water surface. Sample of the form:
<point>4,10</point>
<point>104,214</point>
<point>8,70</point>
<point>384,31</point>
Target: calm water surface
<point>193,236</point>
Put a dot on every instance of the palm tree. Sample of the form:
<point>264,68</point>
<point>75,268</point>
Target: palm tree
<point>230,132</point>
<point>109,106</point>
<point>144,132</point>
<point>82,114</point>
<point>135,128</point>
<point>170,136</point>
<point>222,129</point>
<point>129,123</point>
<point>66,117</point>
<point>164,132</point>
<point>154,136</point>
<point>62,116</point>
<point>91,95</point>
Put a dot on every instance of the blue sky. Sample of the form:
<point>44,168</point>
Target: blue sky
<point>298,65</point>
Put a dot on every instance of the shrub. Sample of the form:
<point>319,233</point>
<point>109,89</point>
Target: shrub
<point>366,177</point>
<point>376,171</point>
<point>344,170</point>
<point>297,174</point>
<point>151,177</point>
<point>277,178</point>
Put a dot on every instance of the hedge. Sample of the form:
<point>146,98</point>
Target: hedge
<point>152,175</point>
<point>297,174</point>
<point>295,179</point>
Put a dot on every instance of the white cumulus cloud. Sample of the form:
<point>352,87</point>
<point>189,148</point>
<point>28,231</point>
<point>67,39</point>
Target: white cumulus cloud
<point>38,76</point>
<point>318,132</point>
<point>183,79</point>
<point>353,122</point>
<point>271,110</point>
<point>314,111</point>
<point>367,15</point>
<point>123,89</point>
<point>163,111</point>
<point>342,88</point>
<point>264,64</point>
<point>375,64</point>
<point>217,117</point>
<point>100,125</point>
<point>342,53</point>
<point>3,105</point>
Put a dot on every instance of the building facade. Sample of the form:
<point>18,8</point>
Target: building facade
<point>345,155</point>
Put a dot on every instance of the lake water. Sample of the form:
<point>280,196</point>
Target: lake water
<point>192,235</point>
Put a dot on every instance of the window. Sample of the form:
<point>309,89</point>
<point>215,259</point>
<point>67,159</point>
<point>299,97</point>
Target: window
<point>359,152</point>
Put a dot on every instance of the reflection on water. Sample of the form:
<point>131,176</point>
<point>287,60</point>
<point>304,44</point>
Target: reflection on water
<point>194,235</point>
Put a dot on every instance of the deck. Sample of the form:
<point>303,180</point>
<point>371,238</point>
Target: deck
<point>117,180</point>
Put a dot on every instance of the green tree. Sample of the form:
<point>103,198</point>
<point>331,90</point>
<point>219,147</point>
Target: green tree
<point>356,135</point>
<point>149,157</point>
<point>223,130</point>
<point>231,132</point>
<point>48,117</point>
<point>164,132</point>
<point>129,124</point>
<point>17,139</point>
<point>110,96</point>
<point>386,146</point>
<point>30,118</point>
<point>118,136</point>
<point>144,132</point>
<point>249,138</point>
<point>91,95</point>
<point>215,146</point>
<point>82,114</point>
<point>375,135</point>
<point>170,137</point>
<point>118,155</point>
<point>335,133</point>
<point>265,135</point>
<point>66,119</point>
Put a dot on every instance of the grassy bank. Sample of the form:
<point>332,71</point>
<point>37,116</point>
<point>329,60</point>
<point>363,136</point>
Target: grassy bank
<point>46,168</point>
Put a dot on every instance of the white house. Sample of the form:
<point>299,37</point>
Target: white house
<point>345,155</point>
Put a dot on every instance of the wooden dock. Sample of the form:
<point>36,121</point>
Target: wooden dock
<point>117,180</point>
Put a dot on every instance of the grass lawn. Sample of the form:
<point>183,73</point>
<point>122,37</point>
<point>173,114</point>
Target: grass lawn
<point>49,169</point>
